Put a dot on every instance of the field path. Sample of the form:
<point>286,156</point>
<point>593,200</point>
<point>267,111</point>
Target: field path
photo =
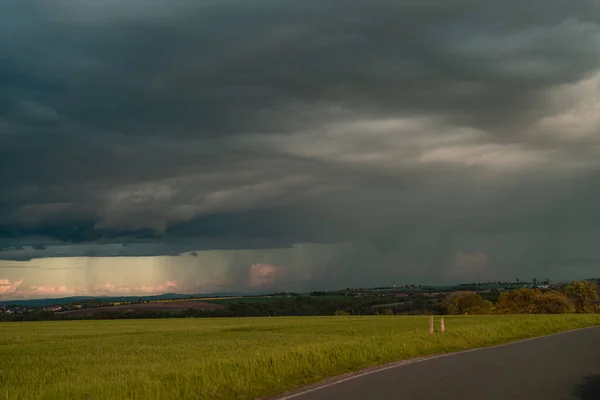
<point>561,366</point>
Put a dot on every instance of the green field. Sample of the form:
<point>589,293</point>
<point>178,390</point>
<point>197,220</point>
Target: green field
<point>262,299</point>
<point>229,358</point>
<point>233,300</point>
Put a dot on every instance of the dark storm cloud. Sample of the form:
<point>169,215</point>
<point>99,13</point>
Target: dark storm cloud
<point>230,124</point>
<point>235,67</point>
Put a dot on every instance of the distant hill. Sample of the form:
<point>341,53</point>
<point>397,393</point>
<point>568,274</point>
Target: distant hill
<point>46,302</point>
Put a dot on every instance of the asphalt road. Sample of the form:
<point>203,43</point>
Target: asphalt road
<point>563,366</point>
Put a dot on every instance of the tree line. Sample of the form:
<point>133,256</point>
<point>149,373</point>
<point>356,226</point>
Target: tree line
<point>579,297</point>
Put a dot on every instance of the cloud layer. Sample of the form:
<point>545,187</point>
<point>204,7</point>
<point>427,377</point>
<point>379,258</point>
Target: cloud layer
<point>423,135</point>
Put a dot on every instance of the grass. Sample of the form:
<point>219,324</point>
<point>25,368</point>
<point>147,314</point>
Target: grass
<point>231,300</point>
<point>230,358</point>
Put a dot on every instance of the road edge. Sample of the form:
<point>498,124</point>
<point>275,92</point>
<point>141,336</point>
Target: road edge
<point>300,391</point>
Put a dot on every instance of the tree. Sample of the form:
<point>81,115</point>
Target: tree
<point>533,301</point>
<point>465,302</point>
<point>519,301</point>
<point>585,296</point>
<point>552,303</point>
<point>535,282</point>
<point>419,304</point>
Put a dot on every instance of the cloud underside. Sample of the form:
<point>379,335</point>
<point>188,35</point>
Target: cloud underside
<point>156,130</point>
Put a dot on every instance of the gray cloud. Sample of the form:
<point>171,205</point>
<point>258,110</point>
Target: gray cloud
<point>416,131</point>
<point>35,267</point>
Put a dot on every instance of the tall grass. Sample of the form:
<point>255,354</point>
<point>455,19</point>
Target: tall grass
<point>230,358</point>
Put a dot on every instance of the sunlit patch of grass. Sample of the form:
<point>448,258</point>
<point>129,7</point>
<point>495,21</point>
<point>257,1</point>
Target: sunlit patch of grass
<point>230,358</point>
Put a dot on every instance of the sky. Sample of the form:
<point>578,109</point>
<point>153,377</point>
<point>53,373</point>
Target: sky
<point>222,145</point>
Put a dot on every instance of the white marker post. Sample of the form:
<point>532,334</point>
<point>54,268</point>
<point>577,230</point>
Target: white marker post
<point>431,325</point>
<point>442,325</point>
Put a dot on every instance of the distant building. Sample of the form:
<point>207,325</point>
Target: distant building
<point>53,308</point>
